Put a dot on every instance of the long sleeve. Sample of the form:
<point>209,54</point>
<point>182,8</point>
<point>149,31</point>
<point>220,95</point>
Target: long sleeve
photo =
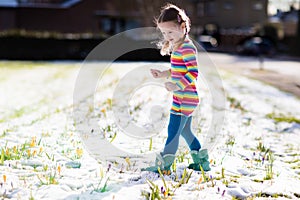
<point>189,57</point>
<point>184,72</point>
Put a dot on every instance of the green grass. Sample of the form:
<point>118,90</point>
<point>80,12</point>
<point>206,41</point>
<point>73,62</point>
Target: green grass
<point>223,172</point>
<point>230,141</point>
<point>234,103</point>
<point>4,133</point>
<point>184,179</point>
<point>48,178</point>
<point>13,65</point>
<point>19,112</point>
<point>181,156</point>
<point>269,167</point>
<point>155,192</point>
<point>280,117</point>
<point>297,195</point>
<point>17,152</point>
<point>99,188</point>
<point>25,110</point>
<point>31,197</point>
<point>292,161</point>
<point>167,190</point>
<point>261,147</point>
<point>276,195</point>
<point>296,167</point>
<point>150,144</point>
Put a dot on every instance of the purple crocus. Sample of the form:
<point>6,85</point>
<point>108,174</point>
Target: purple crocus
<point>162,190</point>
<point>223,193</point>
<point>108,168</point>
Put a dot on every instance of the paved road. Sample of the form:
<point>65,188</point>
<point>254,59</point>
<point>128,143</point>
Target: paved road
<point>282,73</point>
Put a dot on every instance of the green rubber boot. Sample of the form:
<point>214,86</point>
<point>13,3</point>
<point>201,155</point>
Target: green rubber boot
<point>162,162</point>
<point>200,158</point>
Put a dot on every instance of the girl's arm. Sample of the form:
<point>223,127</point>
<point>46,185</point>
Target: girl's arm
<point>160,74</point>
<point>171,86</point>
<point>189,58</point>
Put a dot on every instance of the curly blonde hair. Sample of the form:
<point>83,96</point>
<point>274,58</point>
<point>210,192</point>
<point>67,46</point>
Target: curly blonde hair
<point>172,13</point>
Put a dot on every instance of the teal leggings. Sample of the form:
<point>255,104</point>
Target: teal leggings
<point>180,125</point>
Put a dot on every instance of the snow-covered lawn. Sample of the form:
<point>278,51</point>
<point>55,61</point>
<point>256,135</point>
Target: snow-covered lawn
<point>45,156</point>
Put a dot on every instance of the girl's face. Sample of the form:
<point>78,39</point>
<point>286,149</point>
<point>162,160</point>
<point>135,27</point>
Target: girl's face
<point>171,31</point>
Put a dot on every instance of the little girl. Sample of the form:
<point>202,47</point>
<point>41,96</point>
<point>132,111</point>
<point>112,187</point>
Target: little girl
<point>174,25</point>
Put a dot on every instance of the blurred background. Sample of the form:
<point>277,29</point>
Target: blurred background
<point>70,29</point>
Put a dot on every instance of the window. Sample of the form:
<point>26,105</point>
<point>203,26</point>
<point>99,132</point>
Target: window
<point>228,5</point>
<point>258,6</point>
<point>105,25</point>
<point>206,8</point>
<point>211,8</point>
<point>200,9</point>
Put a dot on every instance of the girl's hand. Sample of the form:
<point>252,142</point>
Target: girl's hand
<point>156,73</point>
<point>171,86</point>
<point>160,74</point>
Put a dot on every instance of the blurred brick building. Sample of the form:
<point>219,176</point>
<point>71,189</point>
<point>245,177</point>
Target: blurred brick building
<point>73,16</point>
<point>116,15</point>
<point>234,19</point>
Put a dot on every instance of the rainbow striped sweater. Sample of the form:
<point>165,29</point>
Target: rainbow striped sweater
<point>184,72</point>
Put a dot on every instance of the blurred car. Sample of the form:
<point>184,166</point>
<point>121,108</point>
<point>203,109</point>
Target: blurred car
<point>210,36</point>
<point>256,46</point>
<point>208,41</point>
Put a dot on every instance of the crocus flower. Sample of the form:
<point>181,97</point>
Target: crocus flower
<point>79,152</point>
<point>59,169</point>
<point>200,180</point>
<point>223,193</point>
<point>4,178</point>
<point>41,149</point>
<point>162,189</point>
<point>108,168</point>
<point>33,142</point>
